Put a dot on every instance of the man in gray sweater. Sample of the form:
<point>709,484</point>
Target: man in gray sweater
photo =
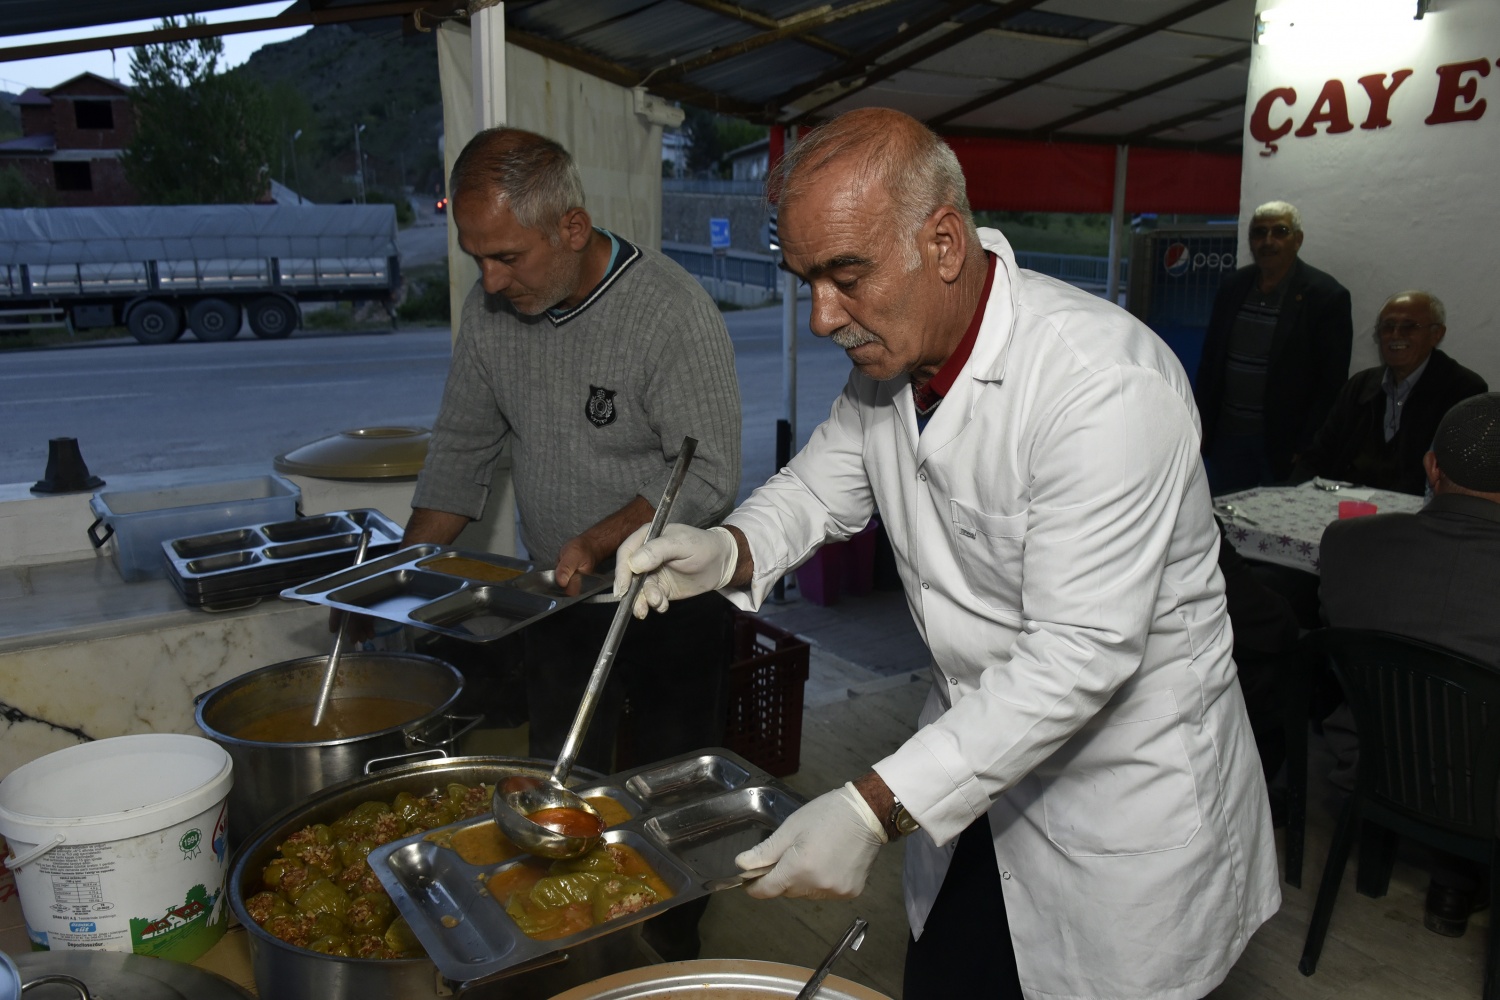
<point>593,358</point>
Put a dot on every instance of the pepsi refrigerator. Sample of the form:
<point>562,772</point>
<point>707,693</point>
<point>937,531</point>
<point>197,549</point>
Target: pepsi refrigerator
<point>1175,273</point>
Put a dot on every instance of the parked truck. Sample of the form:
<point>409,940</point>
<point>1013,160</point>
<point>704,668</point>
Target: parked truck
<point>162,270</point>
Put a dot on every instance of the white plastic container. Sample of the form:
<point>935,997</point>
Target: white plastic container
<point>119,845</point>
<point>140,520</point>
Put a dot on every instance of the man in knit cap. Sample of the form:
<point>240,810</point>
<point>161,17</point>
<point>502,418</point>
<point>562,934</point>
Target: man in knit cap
<point>1431,576</point>
<point>592,358</point>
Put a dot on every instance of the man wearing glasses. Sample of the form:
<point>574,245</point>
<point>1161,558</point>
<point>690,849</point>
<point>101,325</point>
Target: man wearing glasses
<point>1386,416</point>
<point>1275,355</point>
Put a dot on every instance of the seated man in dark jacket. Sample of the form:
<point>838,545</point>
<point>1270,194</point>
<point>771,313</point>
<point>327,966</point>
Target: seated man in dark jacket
<point>1385,417</point>
<point>1431,576</point>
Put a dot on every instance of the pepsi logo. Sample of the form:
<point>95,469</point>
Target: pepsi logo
<point>1175,261</point>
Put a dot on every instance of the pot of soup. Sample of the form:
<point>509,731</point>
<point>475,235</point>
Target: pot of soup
<point>320,925</point>
<point>385,708</point>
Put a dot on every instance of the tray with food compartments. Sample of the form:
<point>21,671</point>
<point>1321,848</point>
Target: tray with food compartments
<point>479,906</point>
<point>239,566</point>
<point>476,596</point>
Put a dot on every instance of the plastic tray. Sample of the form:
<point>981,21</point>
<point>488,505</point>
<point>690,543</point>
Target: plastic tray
<point>426,586</point>
<point>690,816</point>
<point>243,565</point>
<point>140,520</point>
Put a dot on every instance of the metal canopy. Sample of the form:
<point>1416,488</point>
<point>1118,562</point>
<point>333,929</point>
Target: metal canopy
<point>1143,72</point>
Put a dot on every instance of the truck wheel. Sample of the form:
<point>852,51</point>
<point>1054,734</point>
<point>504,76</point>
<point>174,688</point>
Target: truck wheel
<point>214,319</point>
<point>272,319</point>
<point>155,322</point>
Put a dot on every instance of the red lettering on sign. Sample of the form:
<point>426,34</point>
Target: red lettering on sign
<point>1380,97</point>
<point>1453,87</point>
<point>1261,129</point>
<point>1331,109</point>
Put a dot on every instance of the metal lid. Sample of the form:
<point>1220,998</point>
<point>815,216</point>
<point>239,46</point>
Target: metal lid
<point>717,978</point>
<point>362,453</point>
<point>10,978</point>
<point>121,976</point>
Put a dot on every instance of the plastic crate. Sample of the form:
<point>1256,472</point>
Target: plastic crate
<point>766,675</point>
<point>140,520</point>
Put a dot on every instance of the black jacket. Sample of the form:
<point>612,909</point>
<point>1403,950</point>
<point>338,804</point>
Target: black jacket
<point>1309,359</point>
<point>1351,445</point>
<point>1429,575</point>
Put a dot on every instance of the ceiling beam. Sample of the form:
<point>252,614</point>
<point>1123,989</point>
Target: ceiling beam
<point>1088,55</point>
<point>1192,116</point>
<point>861,61</point>
<point>790,27</point>
<point>739,13</point>
<point>295,19</point>
<point>623,75</point>
<point>1089,139</point>
<point>1083,114</point>
<point>924,52</point>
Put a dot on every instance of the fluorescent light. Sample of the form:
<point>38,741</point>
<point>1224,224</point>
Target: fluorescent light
<point>1328,18</point>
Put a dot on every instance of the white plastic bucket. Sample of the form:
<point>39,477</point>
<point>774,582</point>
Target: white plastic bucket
<point>118,845</point>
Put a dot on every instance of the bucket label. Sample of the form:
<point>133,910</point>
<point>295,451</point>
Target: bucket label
<point>175,930</point>
<point>159,894</point>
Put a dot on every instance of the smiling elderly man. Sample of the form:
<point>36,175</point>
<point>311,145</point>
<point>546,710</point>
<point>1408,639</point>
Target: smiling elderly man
<point>1083,800</point>
<point>1385,417</point>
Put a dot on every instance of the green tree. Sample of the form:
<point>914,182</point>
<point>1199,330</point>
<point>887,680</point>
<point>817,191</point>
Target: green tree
<point>17,192</point>
<point>202,136</point>
<point>711,135</point>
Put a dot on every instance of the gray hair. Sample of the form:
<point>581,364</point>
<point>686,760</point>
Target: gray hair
<point>535,174</point>
<point>1435,307</point>
<point>1280,208</point>
<point>916,168</point>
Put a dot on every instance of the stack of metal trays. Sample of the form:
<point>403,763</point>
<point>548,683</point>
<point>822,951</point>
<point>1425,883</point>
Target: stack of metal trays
<point>477,596</point>
<point>689,817</point>
<point>237,567</point>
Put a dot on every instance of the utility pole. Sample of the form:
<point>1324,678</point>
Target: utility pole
<point>359,164</point>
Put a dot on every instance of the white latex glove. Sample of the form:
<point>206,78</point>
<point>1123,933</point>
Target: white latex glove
<point>682,562</point>
<point>823,851</point>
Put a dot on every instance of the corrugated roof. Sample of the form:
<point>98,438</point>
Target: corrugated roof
<point>1168,72</point>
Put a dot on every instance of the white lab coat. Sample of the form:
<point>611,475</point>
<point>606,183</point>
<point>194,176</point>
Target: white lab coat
<point>1054,533</point>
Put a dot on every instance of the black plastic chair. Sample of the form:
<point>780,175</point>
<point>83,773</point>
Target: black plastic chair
<point>1429,759</point>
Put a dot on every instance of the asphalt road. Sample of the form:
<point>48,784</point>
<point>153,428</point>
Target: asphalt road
<point>135,408</point>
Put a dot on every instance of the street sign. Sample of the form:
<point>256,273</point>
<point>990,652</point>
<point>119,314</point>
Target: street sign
<point>718,234</point>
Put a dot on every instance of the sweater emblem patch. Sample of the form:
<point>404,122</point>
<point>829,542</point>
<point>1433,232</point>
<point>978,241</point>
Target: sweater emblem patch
<point>600,408</point>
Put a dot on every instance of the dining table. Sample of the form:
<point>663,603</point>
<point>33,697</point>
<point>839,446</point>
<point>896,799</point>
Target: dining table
<point>1284,524</point>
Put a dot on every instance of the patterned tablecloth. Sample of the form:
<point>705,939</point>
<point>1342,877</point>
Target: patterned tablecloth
<point>1284,524</point>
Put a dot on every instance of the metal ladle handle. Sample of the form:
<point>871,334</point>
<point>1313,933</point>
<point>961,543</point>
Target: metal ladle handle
<point>853,938</point>
<point>338,643</point>
<point>616,632</point>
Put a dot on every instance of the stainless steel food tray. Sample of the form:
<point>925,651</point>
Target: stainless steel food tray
<point>690,816</point>
<point>412,587</point>
<point>242,565</point>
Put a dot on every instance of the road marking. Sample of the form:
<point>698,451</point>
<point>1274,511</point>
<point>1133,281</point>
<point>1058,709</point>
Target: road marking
<point>72,399</point>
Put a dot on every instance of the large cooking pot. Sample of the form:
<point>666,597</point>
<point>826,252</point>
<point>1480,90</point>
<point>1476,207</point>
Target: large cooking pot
<point>289,973</point>
<point>270,777</point>
<point>716,979</point>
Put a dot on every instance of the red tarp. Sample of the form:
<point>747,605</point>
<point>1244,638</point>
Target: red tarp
<point>1012,175</point>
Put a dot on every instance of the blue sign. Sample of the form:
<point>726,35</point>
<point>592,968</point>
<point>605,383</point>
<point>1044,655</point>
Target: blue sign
<point>82,927</point>
<point>718,234</point>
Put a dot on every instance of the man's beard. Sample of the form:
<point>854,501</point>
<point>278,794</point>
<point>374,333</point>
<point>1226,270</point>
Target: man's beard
<point>851,336</point>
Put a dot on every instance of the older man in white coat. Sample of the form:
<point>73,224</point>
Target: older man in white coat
<point>1083,800</point>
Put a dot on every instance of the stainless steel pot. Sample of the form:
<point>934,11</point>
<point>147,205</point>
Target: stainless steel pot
<point>289,973</point>
<point>270,777</point>
<point>717,979</point>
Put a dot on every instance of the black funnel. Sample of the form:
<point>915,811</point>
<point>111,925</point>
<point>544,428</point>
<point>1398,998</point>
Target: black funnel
<point>66,472</point>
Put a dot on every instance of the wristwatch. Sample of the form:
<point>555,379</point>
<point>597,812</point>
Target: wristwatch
<point>899,822</point>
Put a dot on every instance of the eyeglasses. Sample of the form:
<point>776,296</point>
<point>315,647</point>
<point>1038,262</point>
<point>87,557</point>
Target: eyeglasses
<point>1261,232</point>
<point>1405,327</point>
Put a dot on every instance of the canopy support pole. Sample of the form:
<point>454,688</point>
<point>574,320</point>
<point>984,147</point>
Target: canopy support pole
<point>1116,226</point>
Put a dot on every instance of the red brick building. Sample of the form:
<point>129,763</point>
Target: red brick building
<point>71,140</point>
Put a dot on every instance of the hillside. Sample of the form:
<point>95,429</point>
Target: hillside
<point>339,76</point>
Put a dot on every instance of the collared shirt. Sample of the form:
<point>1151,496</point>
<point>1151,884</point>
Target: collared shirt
<point>1396,394</point>
<point>926,397</point>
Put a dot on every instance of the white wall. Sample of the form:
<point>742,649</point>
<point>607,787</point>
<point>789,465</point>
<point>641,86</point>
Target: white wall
<point>1404,205</point>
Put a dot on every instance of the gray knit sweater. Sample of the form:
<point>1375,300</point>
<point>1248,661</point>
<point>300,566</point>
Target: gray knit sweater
<point>596,405</point>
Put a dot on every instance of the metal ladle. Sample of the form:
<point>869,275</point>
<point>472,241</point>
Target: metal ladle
<point>332,668</point>
<point>514,805</point>
<point>852,939</point>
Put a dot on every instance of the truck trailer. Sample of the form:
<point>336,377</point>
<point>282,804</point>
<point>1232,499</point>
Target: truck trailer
<point>162,270</point>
